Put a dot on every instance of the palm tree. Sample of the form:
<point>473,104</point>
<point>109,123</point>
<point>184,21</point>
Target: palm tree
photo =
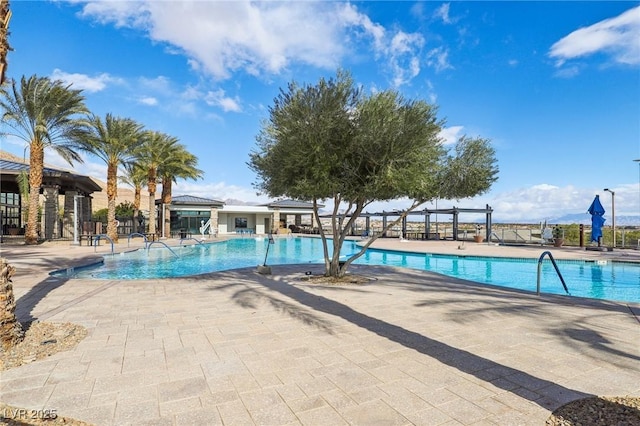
<point>5,16</point>
<point>181,164</point>
<point>113,141</point>
<point>135,176</point>
<point>10,329</point>
<point>152,154</point>
<point>43,114</point>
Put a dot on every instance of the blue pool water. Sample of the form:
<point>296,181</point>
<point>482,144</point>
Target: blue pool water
<point>610,281</point>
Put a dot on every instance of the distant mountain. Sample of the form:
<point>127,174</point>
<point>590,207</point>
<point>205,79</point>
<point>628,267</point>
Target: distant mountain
<point>234,202</point>
<point>568,219</point>
<point>585,219</point>
<point>99,199</point>
<point>10,157</point>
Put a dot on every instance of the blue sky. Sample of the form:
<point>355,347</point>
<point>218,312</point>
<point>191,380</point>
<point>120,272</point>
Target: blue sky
<point>554,85</point>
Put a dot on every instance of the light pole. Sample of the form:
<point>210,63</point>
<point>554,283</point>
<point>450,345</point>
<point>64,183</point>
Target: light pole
<point>75,219</point>
<point>613,214</point>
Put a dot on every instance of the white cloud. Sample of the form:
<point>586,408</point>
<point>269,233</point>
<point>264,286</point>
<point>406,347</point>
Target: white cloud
<point>83,81</point>
<point>433,97</point>
<point>192,100</point>
<point>403,59</point>
<point>13,141</point>
<point>187,108</point>
<point>97,170</point>
<point>218,98</point>
<point>190,93</point>
<point>158,84</point>
<point>403,42</point>
<point>567,72</point>
<point>148,100</point>
<point>443,13</point>
<point>403,73</point>
<point>533,204</point>
<point>222,37</point>
<point>540,202</point>
<point>617,37</point>
<point>121,13</point>
<point>417,10</point>
<point>438,59</point>
<point>450,135</point>
<point>350,16</point>
<point>264,37</point>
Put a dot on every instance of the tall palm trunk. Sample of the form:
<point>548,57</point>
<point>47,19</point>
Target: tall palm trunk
<point>166,202</point>
<point>10,329</point>
<point>5,15</point>
<point>112,192</point>
<point>36,164</point>
<point>136,198</point>
<point>152,185</point>
<point>136,207</point>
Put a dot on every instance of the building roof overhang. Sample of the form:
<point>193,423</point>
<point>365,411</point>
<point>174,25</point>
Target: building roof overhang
<point>63,179</point>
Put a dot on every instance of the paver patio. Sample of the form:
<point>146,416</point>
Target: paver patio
<point>237,347</point>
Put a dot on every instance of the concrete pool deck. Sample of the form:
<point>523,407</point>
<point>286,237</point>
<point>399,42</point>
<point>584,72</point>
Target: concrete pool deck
<point>236,347</point>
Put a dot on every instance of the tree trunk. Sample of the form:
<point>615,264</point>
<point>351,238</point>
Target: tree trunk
<point>136,209</point>
<point>4,42</point>
<point>151,184</point>
<point>10,329</point>
<point>136,198</point>
<point>36,164</point>
<point>112,192</point>
<point>166,202</point>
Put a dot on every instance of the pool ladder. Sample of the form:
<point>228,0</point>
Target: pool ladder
<point>162,244</point>
<point>555,265</point>
<point>190,238</point>
<point>137,234</point>
<point>96,242</point>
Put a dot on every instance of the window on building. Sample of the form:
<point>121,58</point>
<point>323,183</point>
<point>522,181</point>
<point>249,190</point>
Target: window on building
<point>241,222</point>
<point>10,213</point>
<point>188,220</point>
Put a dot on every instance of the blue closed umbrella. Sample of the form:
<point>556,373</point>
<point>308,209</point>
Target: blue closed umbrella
<point>597,221</point>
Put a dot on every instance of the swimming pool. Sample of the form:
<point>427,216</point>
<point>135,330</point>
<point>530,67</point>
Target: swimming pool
<point>601,280</point>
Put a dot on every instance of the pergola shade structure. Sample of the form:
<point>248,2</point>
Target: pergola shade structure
<point>59,188</point>
<point>454,212</point>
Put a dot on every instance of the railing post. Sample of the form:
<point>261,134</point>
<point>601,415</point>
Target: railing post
<point>538,279</point>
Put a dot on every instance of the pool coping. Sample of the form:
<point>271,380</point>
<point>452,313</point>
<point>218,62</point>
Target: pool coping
<point>400,246</point>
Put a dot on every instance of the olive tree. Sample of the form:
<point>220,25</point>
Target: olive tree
<point>331,142</point>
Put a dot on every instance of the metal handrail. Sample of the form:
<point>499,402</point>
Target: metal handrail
<point>164,244</point>
<point>96,241</point>
<point>190,238</point>
<point>555,265</point>
<point>137,234</point>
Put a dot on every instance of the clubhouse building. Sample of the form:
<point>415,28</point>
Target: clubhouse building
<point>65,195</point>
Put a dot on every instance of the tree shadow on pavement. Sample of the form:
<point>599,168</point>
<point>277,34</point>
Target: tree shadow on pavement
<point>543,392</point>
<point>26,303</point>
<point>582,331</point>
<point>249,296</point>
